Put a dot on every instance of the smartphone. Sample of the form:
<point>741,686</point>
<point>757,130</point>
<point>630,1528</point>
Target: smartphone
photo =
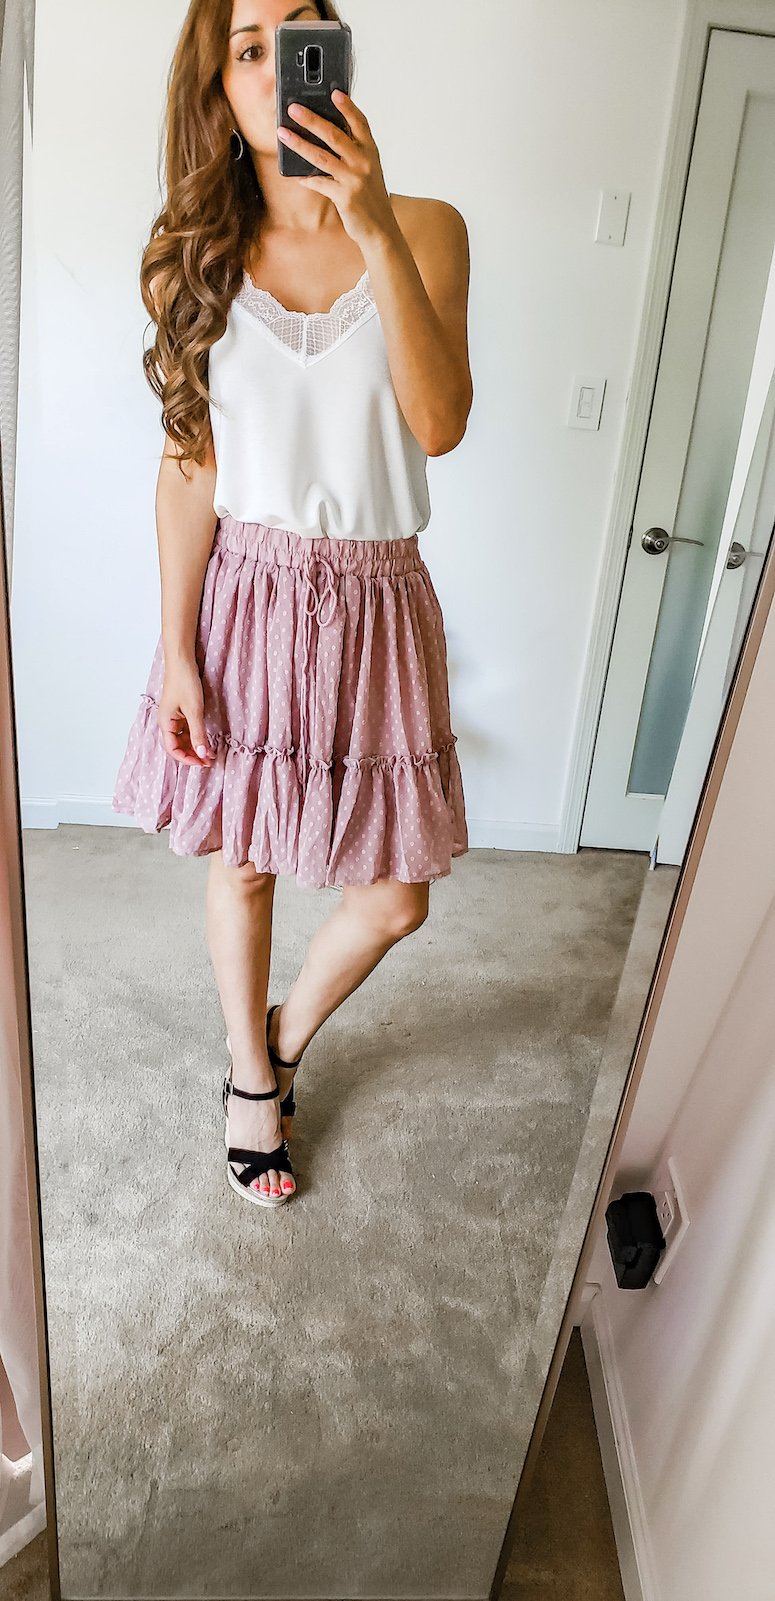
<point>311,59</point>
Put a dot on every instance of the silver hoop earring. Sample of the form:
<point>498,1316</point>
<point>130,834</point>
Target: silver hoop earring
<point>241,145</point>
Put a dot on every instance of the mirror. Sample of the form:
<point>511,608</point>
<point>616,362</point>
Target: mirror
<point>456,757</point>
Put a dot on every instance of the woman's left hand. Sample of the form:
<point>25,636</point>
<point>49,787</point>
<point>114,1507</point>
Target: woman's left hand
<point>351,169</point>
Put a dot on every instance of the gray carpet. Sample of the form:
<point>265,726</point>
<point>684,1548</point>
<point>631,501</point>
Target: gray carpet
<point>329,1400</point>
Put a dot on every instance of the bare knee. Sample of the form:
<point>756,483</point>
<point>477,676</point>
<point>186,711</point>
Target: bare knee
<point>243,880</point>
<point>408,923</point>
<point>394,909</point>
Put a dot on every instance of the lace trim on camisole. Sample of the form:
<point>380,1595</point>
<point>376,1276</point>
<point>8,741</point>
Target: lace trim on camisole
<point>308,335</point>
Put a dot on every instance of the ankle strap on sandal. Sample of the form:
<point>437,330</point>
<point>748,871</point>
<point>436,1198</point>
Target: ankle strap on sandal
<point>251,1095</point>
<point>277,1061</point>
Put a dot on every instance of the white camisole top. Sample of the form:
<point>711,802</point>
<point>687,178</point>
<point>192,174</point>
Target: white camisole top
<point>307,430</point>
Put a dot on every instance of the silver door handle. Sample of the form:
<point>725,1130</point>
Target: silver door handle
<point>656,540</point>
<point>738,554</point>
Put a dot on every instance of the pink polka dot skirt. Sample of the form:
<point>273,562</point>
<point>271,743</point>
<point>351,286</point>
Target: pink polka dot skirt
<point>324,670</point>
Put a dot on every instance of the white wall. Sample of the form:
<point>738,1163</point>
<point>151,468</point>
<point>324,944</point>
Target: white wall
<point>690,1360</point>
<point>518,114</point>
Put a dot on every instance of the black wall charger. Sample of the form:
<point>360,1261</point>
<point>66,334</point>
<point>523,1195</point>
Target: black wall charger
<point>635,1238</point>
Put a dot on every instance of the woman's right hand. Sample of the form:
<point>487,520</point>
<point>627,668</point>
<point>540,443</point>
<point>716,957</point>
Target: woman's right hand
<point>180,715</point>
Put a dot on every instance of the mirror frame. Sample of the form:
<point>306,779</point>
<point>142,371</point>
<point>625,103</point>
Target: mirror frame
<point>704,15</point>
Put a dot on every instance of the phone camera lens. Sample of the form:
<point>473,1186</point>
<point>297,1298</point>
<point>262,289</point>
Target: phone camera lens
<point>313,63</point>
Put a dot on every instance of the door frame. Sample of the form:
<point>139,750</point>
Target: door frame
<point>700,17</point>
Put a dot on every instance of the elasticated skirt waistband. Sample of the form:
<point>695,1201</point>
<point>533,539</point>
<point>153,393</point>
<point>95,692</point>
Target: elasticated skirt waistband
<point>284,548</point>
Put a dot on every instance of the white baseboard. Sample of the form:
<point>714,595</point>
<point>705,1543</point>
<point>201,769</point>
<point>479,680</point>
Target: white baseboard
<point>486,833</point>
<point>620,1467</point>
<point>483,833</point>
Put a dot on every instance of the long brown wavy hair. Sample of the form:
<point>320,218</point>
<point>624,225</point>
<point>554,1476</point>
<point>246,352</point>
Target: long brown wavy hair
<point>192,265</point>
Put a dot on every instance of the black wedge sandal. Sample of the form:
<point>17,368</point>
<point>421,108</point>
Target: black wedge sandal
<point>288,1105</point>
<point>258,1162</point>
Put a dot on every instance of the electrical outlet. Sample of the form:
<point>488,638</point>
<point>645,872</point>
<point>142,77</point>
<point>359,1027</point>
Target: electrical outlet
<point>666,1211</point>
<point>672,1213</point>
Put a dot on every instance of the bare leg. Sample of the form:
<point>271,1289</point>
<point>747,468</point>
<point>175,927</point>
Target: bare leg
<point>239,907</point>
<point>369,920</point>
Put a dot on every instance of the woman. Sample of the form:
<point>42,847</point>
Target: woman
<point>311,352</point>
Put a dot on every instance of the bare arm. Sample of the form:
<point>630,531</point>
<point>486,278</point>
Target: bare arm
<point>185,525</point>
<point>422,297</point>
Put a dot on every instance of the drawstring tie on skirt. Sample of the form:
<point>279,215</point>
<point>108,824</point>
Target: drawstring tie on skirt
<point>316,609</point>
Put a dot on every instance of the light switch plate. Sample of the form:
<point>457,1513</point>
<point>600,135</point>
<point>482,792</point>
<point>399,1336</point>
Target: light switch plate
<point>612,216</point>
<point>586,402</point>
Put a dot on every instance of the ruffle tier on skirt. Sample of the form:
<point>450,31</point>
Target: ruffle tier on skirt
<point>324,669</point>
